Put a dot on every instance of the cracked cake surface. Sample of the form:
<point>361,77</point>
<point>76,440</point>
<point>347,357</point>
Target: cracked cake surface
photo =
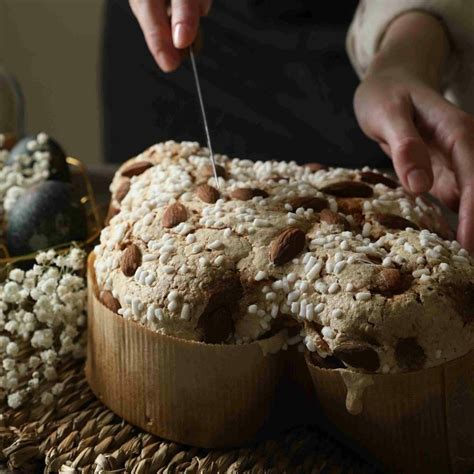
<point>358,269</point>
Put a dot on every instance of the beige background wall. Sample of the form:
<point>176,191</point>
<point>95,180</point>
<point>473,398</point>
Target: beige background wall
<point>53,48</point>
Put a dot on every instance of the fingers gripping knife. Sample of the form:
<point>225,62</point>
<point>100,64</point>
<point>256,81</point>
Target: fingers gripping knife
<point>203,112</point>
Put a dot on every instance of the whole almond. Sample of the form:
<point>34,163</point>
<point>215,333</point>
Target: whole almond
<point>108,300</point>
<point>122,190</point>
<point>376,178</point>
<point>287,245</point>
<point>174,214</point>
<point>315,166</point>
<point>245,194</point>
<point>135,168</point>
<point>390,281</point>
<point>348,189</point>
<point>437,224</point>
<point>131,259</point>
<point>207,171</point>
<point>392,221</point>
<point>207,193</point>
<point>333,218</point>
<point>309,202</point>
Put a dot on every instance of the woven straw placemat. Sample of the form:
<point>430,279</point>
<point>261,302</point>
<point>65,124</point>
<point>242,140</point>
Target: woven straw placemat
<point>78,434</point>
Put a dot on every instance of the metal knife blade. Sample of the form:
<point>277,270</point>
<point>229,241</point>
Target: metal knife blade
<point>203,113</point>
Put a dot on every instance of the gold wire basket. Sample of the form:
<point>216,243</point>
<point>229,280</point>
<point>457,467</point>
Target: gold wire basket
<point>92,215</point>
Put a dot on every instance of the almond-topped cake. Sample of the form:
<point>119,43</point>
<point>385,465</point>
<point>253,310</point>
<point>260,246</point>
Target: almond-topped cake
<point>357,265</point>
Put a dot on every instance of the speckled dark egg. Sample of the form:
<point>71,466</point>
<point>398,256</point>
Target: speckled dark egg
<point>58,167</point>
<point>45,215</point>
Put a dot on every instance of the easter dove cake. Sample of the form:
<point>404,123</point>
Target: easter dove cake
<point>363,274</point>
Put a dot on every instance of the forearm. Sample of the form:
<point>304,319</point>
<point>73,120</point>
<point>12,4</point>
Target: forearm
<point>415,44</point>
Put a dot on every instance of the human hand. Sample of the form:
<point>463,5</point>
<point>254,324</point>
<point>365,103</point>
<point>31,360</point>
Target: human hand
<point>166,40</point>
<point>430,141</point>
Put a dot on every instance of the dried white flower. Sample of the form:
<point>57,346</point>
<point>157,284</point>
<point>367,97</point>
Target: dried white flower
<point>14,400</point>
<point>47,398</point>
<point>43,309</point>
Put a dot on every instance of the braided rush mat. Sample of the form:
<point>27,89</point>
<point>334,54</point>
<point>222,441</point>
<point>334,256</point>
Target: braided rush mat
<point>78,434</point>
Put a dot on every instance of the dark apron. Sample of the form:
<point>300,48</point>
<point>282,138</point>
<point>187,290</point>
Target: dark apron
<point>276,81</point>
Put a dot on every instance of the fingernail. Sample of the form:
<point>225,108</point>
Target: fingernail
<point>418,181</point>
<point>180,34</point>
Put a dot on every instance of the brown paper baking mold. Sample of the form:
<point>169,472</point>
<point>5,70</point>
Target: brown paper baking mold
<point>221,395</point>
<point>205,395</point>
<point>412,422</point>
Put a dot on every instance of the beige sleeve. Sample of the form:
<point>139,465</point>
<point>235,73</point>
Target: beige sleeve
<point>373,16</point>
